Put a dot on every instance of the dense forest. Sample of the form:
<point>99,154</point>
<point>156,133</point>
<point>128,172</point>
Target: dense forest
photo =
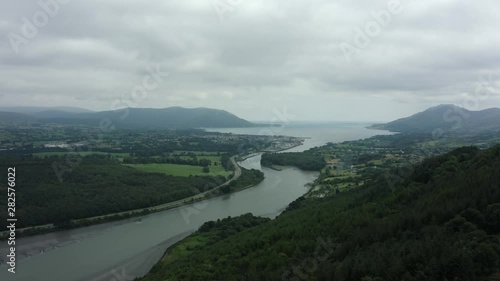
<point>441,222</point>
<point>96,187</point>
<point>247,178</point>
<point>167,160</point>
<point>305,161</point>
<point>209,233</point>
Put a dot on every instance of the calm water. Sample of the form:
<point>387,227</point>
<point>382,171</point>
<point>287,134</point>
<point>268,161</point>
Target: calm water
<point>318,134</point>
<point>122,250</point>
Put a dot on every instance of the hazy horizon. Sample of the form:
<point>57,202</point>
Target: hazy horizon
<point>279,117</point>
<point>250,140</point>
<point>317,60</point>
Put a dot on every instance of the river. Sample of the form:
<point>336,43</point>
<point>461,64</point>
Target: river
<point>123,250</point>
<point>317,134</point>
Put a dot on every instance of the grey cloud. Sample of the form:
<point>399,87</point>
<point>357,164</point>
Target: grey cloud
<point>263,56</point>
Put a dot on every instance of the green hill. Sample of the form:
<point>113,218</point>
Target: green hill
<point>441,223</point>
<point>152,118</point>
<point>447,118</point>
<point>7,117</point>
<point>130,118</point>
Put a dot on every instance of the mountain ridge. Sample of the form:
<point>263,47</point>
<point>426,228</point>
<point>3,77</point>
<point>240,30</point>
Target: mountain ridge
<point>148,118</point>
<point>15,117</point>
<point>36,109</point>
<point>446,117</point>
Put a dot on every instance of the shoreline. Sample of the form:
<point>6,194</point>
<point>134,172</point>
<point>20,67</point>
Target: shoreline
<point>276,167</point>
<point>114,217</point>
<point>84,222</point>
<point>167,251</point>
<point>284,149</point>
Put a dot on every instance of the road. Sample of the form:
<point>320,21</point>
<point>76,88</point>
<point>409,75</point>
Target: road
<point>158,208</point>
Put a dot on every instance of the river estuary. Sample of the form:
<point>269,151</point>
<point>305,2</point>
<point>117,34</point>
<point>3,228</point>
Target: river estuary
<point>121,251</point>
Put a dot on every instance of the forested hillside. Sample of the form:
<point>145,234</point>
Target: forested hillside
<point>97,186</point>
<point>441,223</point>
<point>157,118</point>
<point>307,161</point>
<point>209,233</point>
<point>446,117</point>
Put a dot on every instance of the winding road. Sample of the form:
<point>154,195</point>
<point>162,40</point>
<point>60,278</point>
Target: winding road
<point>158,208</point>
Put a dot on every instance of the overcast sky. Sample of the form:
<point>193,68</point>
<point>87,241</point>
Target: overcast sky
<point>254,57</point>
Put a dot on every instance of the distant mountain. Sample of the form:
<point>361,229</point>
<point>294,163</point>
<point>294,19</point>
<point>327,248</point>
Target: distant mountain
<point>447,117</point>
<point>135,118</point>
<point>30,110</point>
<point>14,117</point>
<point>441,222</point>
<point>149,118</point>
<point>54,113</point>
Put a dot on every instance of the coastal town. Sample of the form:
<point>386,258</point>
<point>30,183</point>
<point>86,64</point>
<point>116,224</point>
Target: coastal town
<point>56,139</point>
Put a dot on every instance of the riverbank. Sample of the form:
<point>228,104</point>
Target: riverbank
<point>275,167</point>
<point>120,242</point>
<point>205,195</point>
<point>209,233</point>
<point>132,244</point>
<point>281,149</point>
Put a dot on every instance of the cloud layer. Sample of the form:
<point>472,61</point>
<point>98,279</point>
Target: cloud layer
<point>254,57</point>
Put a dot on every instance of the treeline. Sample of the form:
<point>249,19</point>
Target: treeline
<point>208,234</point>
<point>229,226</point>
<point>302,160</point>
<point>96,186</point>
<point>168,160</point>
<point>193,144</point>
<point>247,178</point>
<point>226,162</point>
<point>440,221</point>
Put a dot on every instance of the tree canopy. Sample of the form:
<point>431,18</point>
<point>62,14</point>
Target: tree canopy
<point>442,222</point>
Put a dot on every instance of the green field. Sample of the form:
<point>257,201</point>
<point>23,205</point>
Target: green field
<point>179,170</point>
